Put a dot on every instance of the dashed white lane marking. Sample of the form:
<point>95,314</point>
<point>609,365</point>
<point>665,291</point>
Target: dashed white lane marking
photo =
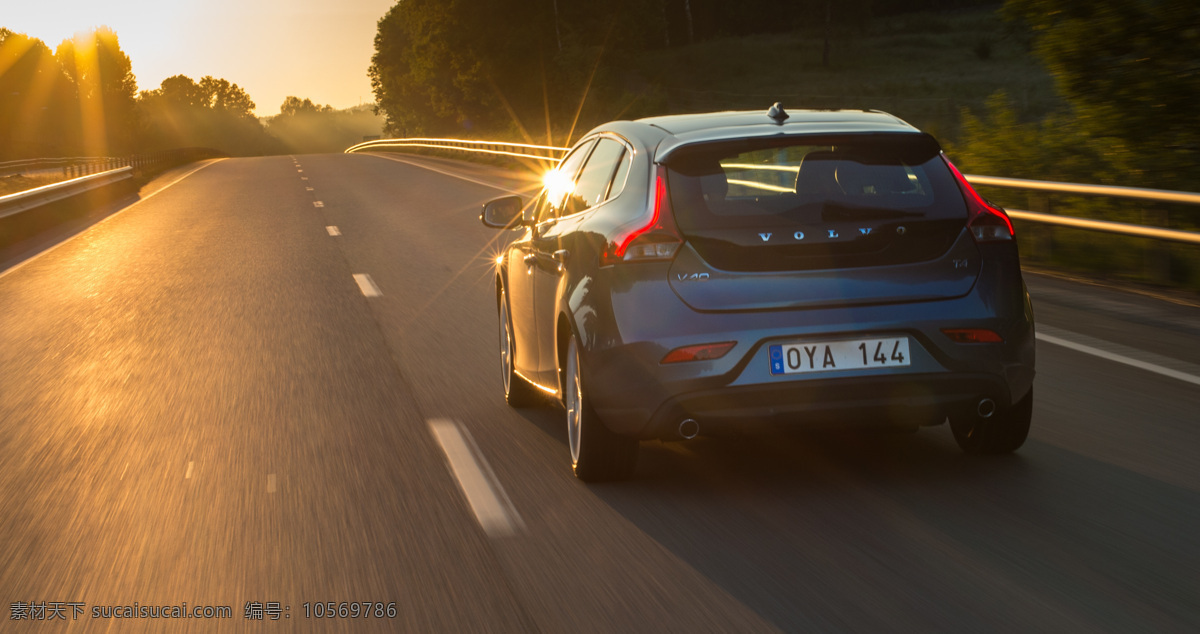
<point>271,483</point>
<point>137,202</point>
<point>479,485</point>
<point>318,203</point>
<point>188,475</point>
<point>308,189</point>
<point>367,285</point>
<point>452,174</point>
<point>303,178</point>
<point>333,231</point>
<point>123,471</point>
<point>1121,354</point>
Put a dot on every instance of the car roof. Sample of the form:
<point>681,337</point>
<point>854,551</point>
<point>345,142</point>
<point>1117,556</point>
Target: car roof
<point>807,121</point>
<point>666,133</point>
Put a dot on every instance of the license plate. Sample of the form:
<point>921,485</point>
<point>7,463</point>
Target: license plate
<point>833,356</point>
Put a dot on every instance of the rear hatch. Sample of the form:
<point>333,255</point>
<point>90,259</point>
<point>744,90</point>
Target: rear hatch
<point>809,221</point>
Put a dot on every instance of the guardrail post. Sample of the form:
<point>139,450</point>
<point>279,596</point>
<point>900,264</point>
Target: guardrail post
<point>1156,256</point>
<point>1041,237</point>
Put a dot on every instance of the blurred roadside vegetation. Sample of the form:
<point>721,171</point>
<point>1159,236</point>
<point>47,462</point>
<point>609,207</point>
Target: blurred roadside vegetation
<point>82,99</point>
<point>1128,72</point>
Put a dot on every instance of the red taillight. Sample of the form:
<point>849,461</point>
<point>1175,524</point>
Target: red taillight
<point>986,222</point>
<point>652,238</point>
<point>702,352</point>
<point>972,335</point>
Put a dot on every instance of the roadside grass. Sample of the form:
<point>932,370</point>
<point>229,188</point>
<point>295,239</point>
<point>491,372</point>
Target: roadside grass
<point>21,182</point>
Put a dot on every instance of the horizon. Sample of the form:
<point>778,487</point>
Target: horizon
<point>270,64</point>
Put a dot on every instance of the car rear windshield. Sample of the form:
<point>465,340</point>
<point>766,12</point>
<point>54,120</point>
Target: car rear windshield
<point>767,182</point>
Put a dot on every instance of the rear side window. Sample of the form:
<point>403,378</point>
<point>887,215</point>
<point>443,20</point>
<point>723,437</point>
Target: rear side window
<point>560,182</point>
<point>811,180</point>
<point>592,185</point>
<point>622,175</point>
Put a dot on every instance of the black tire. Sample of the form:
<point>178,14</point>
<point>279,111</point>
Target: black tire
<point>517,391</point>
<point>1004,432</point>
<point>597,454</point>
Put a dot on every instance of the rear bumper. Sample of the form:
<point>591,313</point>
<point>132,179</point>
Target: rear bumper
<point>914,399</point>
<point>636,395</point>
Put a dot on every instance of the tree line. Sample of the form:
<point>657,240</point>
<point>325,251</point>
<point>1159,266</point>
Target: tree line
<point>82,99</point>
<point>536,68</point>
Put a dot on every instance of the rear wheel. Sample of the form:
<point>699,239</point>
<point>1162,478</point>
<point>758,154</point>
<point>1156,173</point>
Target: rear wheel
<point>1002,432</point>
<point>597,454</point>
<point>517,391</point>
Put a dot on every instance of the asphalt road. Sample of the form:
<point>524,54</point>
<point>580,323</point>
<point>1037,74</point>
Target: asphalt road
<point>201,403</point>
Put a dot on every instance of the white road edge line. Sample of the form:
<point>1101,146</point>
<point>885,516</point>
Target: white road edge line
<point>333,230</point>
<point>452,174</point>
<point>489,502</point>
<point>367,285</point>
<point>188,475</point>
<point>1119,358</point>
<point>135,203</point>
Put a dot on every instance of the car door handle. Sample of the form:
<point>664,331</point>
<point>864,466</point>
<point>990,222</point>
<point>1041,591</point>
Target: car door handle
<point>561,256</point>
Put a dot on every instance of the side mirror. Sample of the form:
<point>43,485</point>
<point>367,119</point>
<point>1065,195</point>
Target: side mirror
<point>503,212</point>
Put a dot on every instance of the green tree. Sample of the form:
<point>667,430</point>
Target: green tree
<point>39,111</point>
<point>179,91</point>
<point>107,89</point>
<point>221,95</point>
<point>294,106</point>
<point>1130,70</point>
<point>210,113</point>
<point>502,66</point>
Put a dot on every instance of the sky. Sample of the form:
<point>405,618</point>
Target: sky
<point>315,49</point>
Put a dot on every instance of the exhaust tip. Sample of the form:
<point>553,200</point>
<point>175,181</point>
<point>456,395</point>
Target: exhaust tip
<point>986,408</point>
<point>689,429</point>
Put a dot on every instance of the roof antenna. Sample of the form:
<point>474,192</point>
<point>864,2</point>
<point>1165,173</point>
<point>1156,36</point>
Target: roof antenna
<point>777,114</point>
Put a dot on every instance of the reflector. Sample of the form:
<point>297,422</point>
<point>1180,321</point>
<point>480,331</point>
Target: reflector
<point>702,352</point>
<point>972,335</point>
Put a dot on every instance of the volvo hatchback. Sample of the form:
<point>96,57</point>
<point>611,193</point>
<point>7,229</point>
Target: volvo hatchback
<point>700,274</point>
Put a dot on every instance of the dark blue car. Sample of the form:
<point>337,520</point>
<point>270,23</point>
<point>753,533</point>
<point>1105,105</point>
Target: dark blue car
<point>706,273</point>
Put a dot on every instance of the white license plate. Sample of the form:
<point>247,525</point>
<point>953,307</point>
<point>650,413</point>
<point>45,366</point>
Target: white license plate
<point>832,356</point>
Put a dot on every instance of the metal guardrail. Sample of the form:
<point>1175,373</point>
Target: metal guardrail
<point>70,166</point>
<point>13,204</point>
<point>1159,195</point>
<point>525,150</point>
<point>86,173</point>
<point>1105,226</point>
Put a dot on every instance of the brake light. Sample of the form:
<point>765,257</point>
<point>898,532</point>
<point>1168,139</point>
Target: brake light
<point>987,222</point>
<point>702,352</point>
<point>972,335</point>
<point>653,238</point>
